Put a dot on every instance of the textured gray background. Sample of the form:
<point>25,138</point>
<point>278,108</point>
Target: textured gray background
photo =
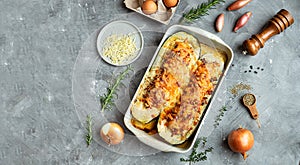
<point>39,44</point>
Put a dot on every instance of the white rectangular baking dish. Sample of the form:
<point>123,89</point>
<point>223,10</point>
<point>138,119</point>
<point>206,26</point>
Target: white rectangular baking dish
<point>155,140</point>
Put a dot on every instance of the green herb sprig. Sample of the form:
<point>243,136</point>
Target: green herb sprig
<point>201,10</point>
<point>107,100</point>
<point>195,156</point>
<point>89,136</point>
<point>219,117</point>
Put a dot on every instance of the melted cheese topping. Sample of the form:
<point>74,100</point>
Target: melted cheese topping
<point>162,86</point>
<point>185,116</point>
<point>162,91</point>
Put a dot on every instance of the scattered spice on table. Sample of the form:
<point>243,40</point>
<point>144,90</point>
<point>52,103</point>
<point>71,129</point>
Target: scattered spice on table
<point>255,70</point>
<point>239,87</point>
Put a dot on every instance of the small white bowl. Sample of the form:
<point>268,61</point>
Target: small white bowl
<point>120,27</point>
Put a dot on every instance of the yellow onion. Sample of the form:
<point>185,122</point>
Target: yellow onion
<point>241,140</point>
<point>112,133</point>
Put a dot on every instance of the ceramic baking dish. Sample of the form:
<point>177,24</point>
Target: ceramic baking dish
<point>155,140</point>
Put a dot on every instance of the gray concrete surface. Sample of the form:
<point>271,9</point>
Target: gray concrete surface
<point>43,48</point>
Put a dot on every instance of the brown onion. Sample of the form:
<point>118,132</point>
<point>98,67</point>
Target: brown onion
<point>112,133</point>
<point>241,140</point>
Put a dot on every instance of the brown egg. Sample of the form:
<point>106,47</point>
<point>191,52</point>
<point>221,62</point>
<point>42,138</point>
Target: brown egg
<point>112,133</point>
<point>170,3</point>
<point>149,7</point>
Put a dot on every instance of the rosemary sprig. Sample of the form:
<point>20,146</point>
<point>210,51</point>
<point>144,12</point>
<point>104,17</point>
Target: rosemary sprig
<point>219,117</point>
<point>107,100</point>
<point>201,10</point>
<point>89,136</point>
<point>204,140</point>
<point>195,156</point>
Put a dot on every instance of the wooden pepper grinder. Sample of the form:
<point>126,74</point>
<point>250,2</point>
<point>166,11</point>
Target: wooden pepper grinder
<point>276,25</point>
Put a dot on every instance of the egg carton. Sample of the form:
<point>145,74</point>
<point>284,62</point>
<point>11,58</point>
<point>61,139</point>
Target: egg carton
<point>163,14</point>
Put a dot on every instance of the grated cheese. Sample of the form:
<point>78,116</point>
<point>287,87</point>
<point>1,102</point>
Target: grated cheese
<point>119,47</point>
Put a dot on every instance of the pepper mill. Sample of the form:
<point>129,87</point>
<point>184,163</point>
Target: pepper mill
<point>276,25</point>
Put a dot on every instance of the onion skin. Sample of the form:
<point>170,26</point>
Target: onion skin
<point>112,133</point>
<point>219,24</point>
<point>241,140</point>
<point>242,21</point>
<point>238,4</point>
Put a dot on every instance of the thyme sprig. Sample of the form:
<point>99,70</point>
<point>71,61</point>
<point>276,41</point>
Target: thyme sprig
<point>220,115</point>
<point>107,100</point>
<point>201,10</point>
<point>89,136</point>
<point>195,156</point>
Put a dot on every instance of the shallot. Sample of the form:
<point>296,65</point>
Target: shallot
<point>238,4</point>
<point>242,20</point>
<point>241,140</point>
<point>219,24</point>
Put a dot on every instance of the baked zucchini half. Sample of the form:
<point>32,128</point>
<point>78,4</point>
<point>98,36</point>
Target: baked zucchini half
<point>177,124</point>
<point>162,85</point>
